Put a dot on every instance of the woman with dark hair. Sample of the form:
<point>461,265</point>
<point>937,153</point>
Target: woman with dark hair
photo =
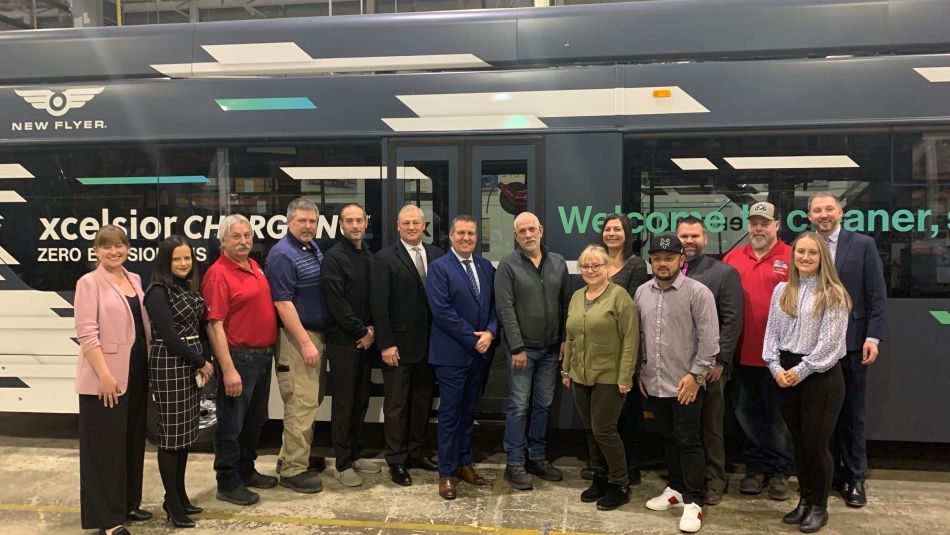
<point>804,339</point>
<point>176,308</point>
<point>112,383</point>
<point>627,270</point>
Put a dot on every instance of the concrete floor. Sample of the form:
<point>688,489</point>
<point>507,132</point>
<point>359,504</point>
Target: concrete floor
<point>39,493</point>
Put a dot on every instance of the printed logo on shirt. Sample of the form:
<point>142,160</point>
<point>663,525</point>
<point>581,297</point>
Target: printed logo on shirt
<point>780,267</point>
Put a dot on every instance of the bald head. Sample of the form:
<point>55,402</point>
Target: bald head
<point>528,233</point>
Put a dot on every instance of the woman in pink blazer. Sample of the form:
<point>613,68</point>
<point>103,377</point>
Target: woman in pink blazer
<point>112,383</point>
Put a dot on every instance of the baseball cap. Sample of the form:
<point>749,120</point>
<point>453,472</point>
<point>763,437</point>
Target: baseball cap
<point>666,242</point>
<point>763,209</point>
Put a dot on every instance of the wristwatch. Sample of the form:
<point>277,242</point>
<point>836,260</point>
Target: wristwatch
<point>700,378</point>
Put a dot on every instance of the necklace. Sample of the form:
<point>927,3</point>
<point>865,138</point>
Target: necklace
<point>592,294</point>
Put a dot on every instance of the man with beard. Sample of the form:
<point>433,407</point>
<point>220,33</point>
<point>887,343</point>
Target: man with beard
<point>532,292</point>
<point>464,326</point>
<point>762,264</point>
<point>403,321</point>
<point>860,269</point>
<point>242,329</point>
<point>294,271</point>
<point>680,333</point>
<point>346,280</point>
<point>723,281</point>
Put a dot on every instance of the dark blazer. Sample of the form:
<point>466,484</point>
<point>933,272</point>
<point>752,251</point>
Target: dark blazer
<point>398,301</point>
<point>456,313</point>
<point>861,271</point>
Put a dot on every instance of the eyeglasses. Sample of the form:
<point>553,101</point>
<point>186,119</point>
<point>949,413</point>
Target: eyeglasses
<point>591,267</point>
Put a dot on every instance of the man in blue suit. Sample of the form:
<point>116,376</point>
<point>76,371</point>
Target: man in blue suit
<point>464,327</point>
<point>861,271</point>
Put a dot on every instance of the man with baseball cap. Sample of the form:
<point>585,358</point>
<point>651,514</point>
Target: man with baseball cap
<point>680,333</point>
<point>762,264</point>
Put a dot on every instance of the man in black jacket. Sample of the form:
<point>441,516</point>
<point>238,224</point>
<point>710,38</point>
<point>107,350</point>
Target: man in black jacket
<point>346,278</point>
<point>531,297</point>
<point>402,319</point>
<point>726,286</point>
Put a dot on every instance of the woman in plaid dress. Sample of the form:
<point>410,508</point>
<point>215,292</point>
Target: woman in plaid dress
<point>175,309</point>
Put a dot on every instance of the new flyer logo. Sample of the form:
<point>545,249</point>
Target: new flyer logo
<point>57,103</point>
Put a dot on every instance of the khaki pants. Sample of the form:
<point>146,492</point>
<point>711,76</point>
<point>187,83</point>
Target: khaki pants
<point>302,389</point>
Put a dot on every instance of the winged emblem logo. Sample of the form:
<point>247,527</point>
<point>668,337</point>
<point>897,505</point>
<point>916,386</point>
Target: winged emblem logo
<point>57,103</point>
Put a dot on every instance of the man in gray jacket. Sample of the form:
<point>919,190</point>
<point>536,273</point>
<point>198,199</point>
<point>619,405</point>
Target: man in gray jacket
<point>726,286</point>
<point>531,297</point>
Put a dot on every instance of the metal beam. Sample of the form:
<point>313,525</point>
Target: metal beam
<point>16,23</point>
<point>175,5</point>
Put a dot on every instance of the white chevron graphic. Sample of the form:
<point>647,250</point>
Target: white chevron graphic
<point>288,59</point>
<point>527,109</point>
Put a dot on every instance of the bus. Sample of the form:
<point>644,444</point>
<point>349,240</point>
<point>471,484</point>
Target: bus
<point>655,109</point>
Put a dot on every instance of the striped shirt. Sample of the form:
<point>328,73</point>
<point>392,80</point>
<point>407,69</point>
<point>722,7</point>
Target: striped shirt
<point>294,270</point>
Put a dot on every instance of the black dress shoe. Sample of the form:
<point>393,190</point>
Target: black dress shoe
<point>422,463</point>
<point>400,475</point>
<point>796,515</point>
<point>814,520</point>
<point>856,496</point>
<point>138,515</point>
<point>118,531</point>
<point>178,518</point>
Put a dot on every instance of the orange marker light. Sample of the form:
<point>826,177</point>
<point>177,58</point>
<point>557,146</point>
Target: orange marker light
<point>662,93</point>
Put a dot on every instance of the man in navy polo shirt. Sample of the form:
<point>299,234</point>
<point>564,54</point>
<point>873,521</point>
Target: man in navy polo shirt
<point>294,271</point>
<point>242,328</point>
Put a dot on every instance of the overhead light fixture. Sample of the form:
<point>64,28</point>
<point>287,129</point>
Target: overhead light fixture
<point>465,122</point>
<point>352,173</point>
<point>834,161</point>
<point>934,74</point>
<point>141,180</point>
<point>694,164</point>
<point>14,170</point>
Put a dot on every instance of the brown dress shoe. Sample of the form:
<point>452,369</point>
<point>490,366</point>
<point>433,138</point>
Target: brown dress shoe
<point>447,488</point>
<point>469,475</point>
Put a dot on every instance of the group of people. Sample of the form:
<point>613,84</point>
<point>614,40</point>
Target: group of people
<point>804,320</point>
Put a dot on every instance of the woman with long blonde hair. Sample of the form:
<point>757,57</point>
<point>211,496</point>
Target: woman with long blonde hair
<point>804,338</point>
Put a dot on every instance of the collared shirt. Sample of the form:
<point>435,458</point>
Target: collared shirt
<point>242,300</point>
<point>680,333</point>
<point>833,242</point>
<point>412,254</point>
<point>478,283</point>
<point>820,339</point>
<point>759,278</point>
<point>294,271</point>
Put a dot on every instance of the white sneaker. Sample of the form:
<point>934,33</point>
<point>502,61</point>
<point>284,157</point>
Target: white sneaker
<point>692,519</point>
<point>365,466</point>
<point>669,498</point>
<point>348,477</point>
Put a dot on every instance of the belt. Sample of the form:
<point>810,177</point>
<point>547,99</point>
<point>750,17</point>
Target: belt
<point>267,350</point>
<point>183,338</point>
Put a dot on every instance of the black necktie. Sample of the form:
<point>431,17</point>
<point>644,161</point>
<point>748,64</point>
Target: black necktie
<point>471,276</point>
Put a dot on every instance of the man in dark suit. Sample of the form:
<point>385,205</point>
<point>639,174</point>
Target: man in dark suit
<point>861,271</point>
<point>460,289</point>
<point>403,321</point>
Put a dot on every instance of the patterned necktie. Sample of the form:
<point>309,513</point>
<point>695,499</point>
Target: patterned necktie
<point>471,276</point>
<point>420,266</point>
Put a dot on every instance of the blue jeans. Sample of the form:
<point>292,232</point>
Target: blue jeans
<point>240,419</point>
<point>768,444</point>
<point>530,393</point>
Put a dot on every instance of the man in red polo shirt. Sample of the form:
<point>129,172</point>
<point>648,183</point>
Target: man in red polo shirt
<point>242,328</point>
<point>762,264</point>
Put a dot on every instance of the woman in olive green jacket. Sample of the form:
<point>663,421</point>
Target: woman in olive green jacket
<point>600,354</point>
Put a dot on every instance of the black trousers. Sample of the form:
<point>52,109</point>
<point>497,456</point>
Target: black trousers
<point>850,437</point>
<point>349,383</point>
<point>681,427</point>
<point>811,410</point>
<point>630,426</point>
<point>407,391</point>
<point>112,451</point>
